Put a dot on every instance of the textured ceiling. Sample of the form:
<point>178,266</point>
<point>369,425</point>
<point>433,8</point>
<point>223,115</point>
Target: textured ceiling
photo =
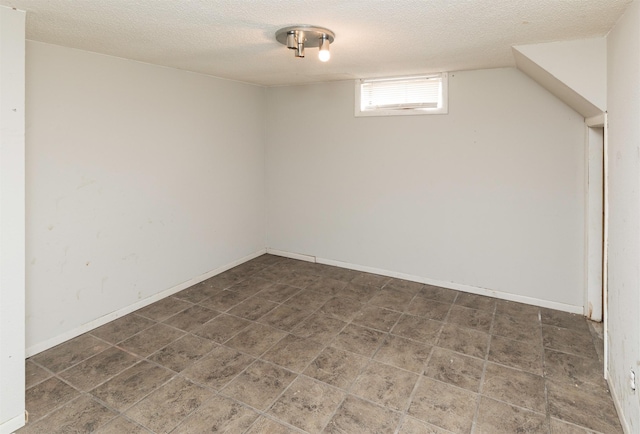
<point>235,38</point>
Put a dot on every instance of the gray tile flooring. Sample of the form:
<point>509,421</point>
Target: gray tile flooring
<point>282,346</point>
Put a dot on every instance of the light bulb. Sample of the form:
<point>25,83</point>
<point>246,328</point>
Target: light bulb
<point>324,53</point>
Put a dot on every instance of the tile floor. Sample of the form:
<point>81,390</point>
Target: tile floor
<point>282,346</point>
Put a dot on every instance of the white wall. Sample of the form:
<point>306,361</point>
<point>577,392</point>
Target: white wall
<point>489,196</point>
<point>12,214</point>
<point>624,211</point>
<point>581,65</point>
<point>139,178</point>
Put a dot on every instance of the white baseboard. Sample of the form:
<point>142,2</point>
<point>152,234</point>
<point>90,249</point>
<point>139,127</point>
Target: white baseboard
<point>299,256</point>
<point>616,402</point>
<point>450,285</point>
<point>13,424</point>
<point>70,334</point>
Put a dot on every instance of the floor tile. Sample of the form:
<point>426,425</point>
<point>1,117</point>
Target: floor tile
<point>574,370</point>
<point>437,293</point>
<point>404,353</point>
<point>222,328</point>
<point>285,317</point>
<point>358,416</point>
<point>308,300</point>
<point>299,279</point>
<point>191,318</point>
<point>336,367</point>
<point>499,418</point>
<point>218,414</point>
<point>265,425</point>
<point>386,385</point>
<point>516,354</point>
<point>307,404</point>
<point>377,318</point>
<point>413,287</point>
<point>198,292</point>
<point>99,368</point>
<point>370,279</point>
<point>69,353</point>
<point>338,273</point>
<point>226,279</point>
<point>255,339</point>
<point>167,406</point>
<point>223,300</point>
<point>383,335</point>
<point>122,328</point>
<point>218,367</point>
<point>443,405</point>
<point>131,385</point>
<point>562,427</point>
<point>592,409</point>
<point>357,339</point>
<point>565,320</point>
<point>414,426</point>
<point>82,415</point>
<point>475,301</point>
<point>183,352</point>
<point>518,310</point>
<point>517,328</point>
<point>569,341</point>
<point>361,293</point>
<point>514,387</point>
<point>417,328</point>
<point>253,308</point>
<point>293,353</point>
<point>470,318</point>
<point>454,368</point>
<point>327,285</point>
<point>392,298</point>
<point>279,292</point>
<point>251,286</point>
<point>150,340</point>
<point>163,309</point>
<point>259,385</point>
<point>319,328</point>
<point>421,306</point>
<point>46,396</point>
<point>121,425</point>
<point>34,374</point>
<point>463,340</point>
<point>342,308</point>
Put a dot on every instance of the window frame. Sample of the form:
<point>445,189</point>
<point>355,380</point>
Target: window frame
<point>443,109</point>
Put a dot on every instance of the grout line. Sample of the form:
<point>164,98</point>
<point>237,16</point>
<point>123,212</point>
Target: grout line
<point>484,370</point>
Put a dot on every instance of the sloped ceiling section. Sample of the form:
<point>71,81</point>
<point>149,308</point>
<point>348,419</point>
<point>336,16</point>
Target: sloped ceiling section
<point>574,71</point>
<point>234,39</point>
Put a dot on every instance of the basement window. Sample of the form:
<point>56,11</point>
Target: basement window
<point>421,95</point>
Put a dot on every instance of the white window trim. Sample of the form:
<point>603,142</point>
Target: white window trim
<point>444,109</point>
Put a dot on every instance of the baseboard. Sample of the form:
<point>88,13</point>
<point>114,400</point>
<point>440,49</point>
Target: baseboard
<point>450,285</point>
<point>13,424</point>
<point>70,334</point>
<point>616,402</point>
<point>299,256</point>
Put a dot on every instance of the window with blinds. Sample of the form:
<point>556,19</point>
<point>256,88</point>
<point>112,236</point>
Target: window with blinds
<point>402,96</point>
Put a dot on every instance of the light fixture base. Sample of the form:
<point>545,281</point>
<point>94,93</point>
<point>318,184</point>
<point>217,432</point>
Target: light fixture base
<point>312,35</point>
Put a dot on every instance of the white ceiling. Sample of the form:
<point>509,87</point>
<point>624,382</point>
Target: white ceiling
<point>235,38</point>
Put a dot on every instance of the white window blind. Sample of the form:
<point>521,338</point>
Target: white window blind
<point>419,95</point>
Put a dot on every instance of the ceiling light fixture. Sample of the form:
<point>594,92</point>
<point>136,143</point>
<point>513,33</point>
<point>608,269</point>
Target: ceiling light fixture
<point>299,37</point>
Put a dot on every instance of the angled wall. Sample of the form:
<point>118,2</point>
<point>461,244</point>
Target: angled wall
<point>574,71</point>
